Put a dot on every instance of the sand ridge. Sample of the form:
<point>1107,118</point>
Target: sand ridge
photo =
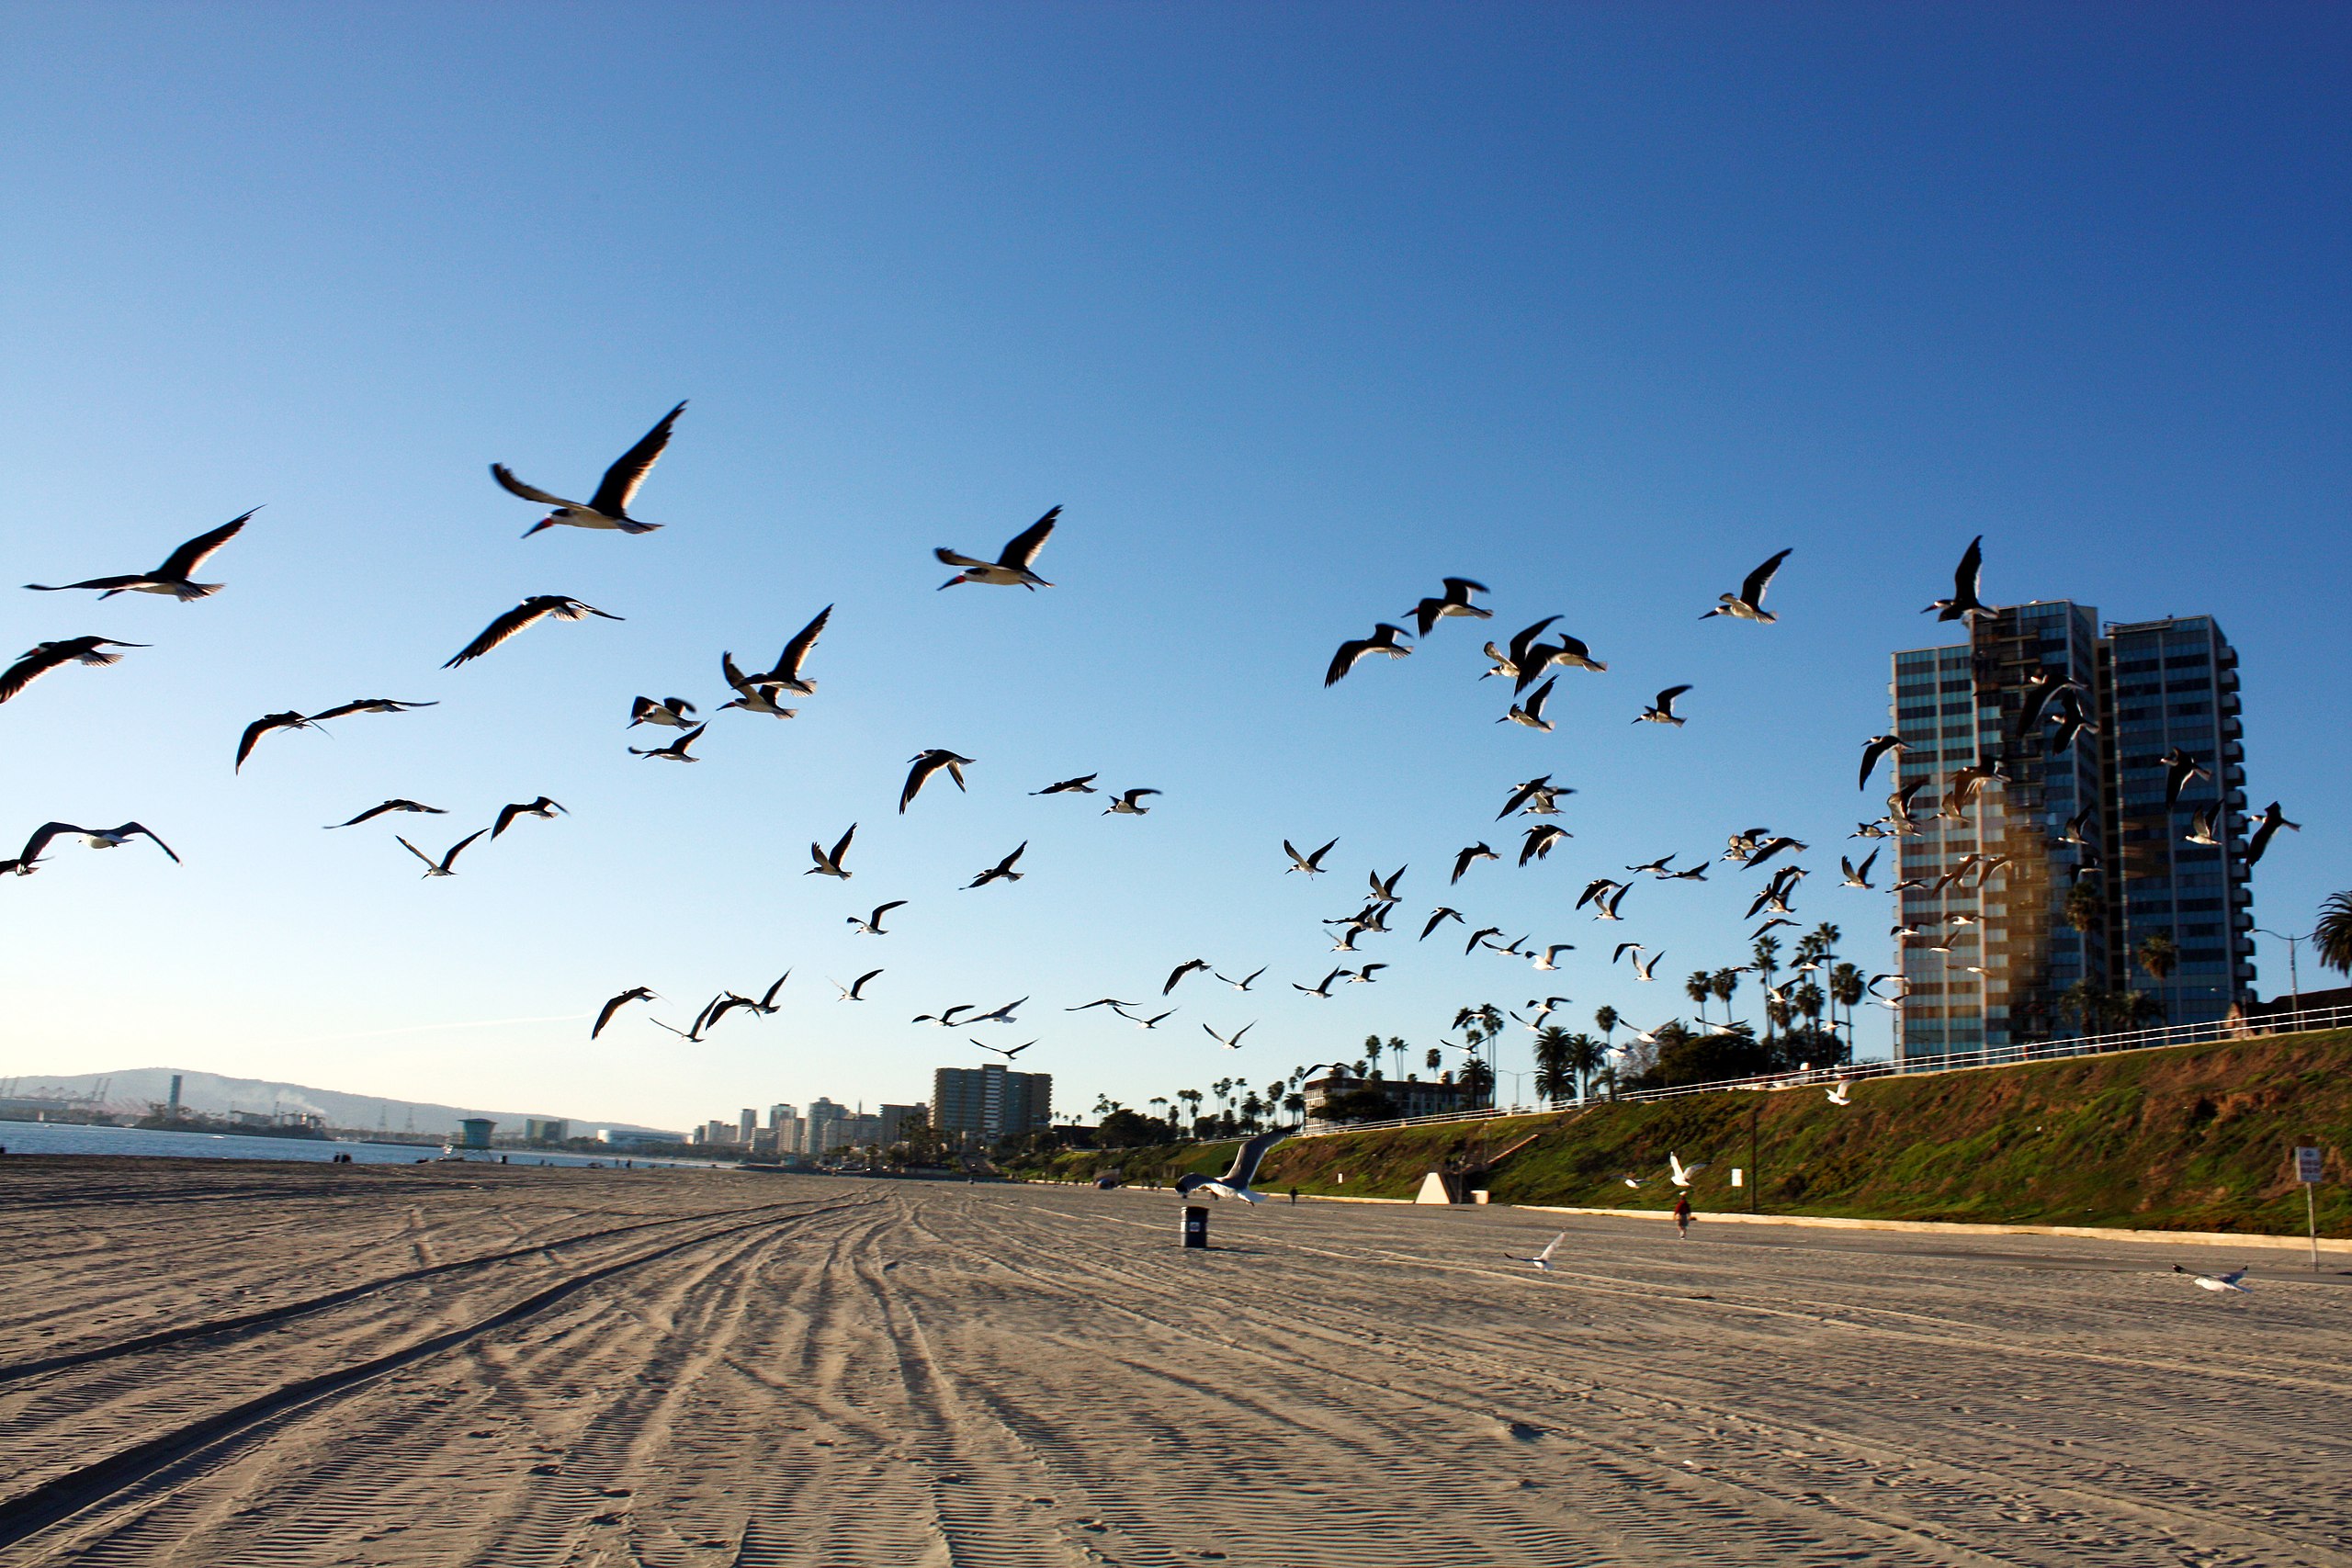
<point>488,1365</point>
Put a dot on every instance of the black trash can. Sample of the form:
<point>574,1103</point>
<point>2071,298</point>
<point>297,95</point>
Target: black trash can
<point>1196,1226</point>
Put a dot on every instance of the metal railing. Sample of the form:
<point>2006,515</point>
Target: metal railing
<point>2284,1022</point>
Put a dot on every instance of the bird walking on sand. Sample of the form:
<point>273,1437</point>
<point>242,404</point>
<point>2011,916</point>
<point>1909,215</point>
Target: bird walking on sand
<point>1542,1261</point>
<point>829,862</point>
<point>1010,569</point>
<point>171,578</point>
<point>444,866</point>
<point>1355,650</point>
<point>1662,711</point>
<point>604,1013</point>
<point>531,611</point>
<point>1747,605</point>
<point>542,808</point>
<point>676,751</point>
<point>608,508</point>
<point>926,764</point>
<point>43,657</point>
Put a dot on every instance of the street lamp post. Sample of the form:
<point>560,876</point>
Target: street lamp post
<point>2294,982</point>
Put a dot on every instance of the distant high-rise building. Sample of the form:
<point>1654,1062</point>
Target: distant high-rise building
<point>546,1129</point>
<point>2004,951</point>
<point>747,1127</point>
<point>894,1121</point>
<point>822,1135</point>
<point>716,1132</point>
<point>985,1103</point>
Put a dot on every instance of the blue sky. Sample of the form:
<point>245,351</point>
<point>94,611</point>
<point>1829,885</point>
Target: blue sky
<point>1294,310</point>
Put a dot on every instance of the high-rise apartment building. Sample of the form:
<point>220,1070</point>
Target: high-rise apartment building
<point>985,1103</point>
<point>2002,950</point>
<point>823,1130</point>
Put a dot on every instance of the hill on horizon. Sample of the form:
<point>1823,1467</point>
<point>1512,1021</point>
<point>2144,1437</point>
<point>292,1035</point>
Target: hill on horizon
<point>134,1089</point>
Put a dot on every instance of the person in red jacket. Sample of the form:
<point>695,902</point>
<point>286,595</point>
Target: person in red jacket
<point>1682,1217</point>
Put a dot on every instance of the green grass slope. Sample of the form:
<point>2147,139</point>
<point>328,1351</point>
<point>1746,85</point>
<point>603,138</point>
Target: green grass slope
<point>2191,1138</point>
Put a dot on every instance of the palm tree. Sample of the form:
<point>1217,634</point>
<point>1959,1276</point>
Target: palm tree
<point>1250,1106</point>
<point>1433,1061</point>
<point>1604,1018</point>
<point>2087,1002</point>
<point>1295,1104</point>
<point>2085,907</point>
<point>1191,1098</point>
<point>1398,1048</point>
<point>1479,1024</point>
<point>1554,1079</point>
<point>1768,960</point>
<point>1847,986</point>
<point>1726,985</point>
<point>1808,1000</point>
<point>2332,936</point>
<point>1698,988</point>
<point>1586,1056</point>
<point>2159,957</point>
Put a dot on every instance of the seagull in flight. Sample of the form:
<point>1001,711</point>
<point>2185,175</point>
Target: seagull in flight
<point>2271,820</point>
<point>675,712</point>
<point>604,1014</point>
<point>1550,957</point>
<point>608,508</point>
<point>829,862</point>
<point>2180,768</point>
<point>1001,872</point>
<point>945,1018</point>
<point>1002,1015</point>
<point>1964,606</point>
<point>676,751</point>
<point>289,720</point>
<point>1243,983</point>
<point>1857,875</point>
<point>1311,865</point>
<point>1542,1261</point>
<point>1364,976</point>
<point>926,764</point>
<point>1130,804</point>
<point>856,993</point>
<point>542,808</point>
<point>1437,916</point>
<point>1010,569</point>
<point>872,924</point>
<point>442,866</point>
<point>537,608</point>
<point>2219,1283</point>
<point>1530,712</point>
<point>375,811</point>
<point>44,657</point>
<point>1153,1022</point>
<point>1321,991</point>
<point>1537,796</point>
<point>171,578</point>
<point>1662,711</point>
<point>1520,658</point>
<point>1455,601</point>
<point>1234,1182</point>
<point>1382,640</point>
<point>1464,860</point>
<point>1231,1042</point>
<point>1190,965</point>
<point>1384,888</point>
<point>1113,1003</point>
<point>1571,651</point>
<point>1747,605</point>
<point>1478,938</point>
<point>1681,1173</point>
<point>1082,784</point>
<point>750,695</point>
<point>1841,1093</point>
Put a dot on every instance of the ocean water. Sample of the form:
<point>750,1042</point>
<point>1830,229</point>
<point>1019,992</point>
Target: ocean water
<point>61,1138</point>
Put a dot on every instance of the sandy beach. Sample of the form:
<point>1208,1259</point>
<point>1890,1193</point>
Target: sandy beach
<point>238,1364</point>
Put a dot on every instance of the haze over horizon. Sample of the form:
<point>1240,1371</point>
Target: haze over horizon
<point>1293,312</point>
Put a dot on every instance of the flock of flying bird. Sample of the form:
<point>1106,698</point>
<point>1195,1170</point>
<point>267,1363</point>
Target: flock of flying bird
<point>1528,661</point>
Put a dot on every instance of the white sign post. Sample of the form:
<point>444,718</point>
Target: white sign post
<point>2309,1172</point>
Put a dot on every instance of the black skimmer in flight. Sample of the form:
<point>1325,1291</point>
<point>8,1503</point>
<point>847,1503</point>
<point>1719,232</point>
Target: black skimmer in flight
<point>1464,860</point>
<point>1311,865</point>
<point>1542,1261</point>
<point>442,867</point>
<point>1234,1182</point>
<point>1230,1042</point>
<point>1007,1052</point>
<point>1454,602</point>
<point>1010,569</point>
<point>1190,965</point>
<point>1530,712</point>
<point>675,712</point>
<point>537,607</point>
<point>856,993</point>
<point>608,508</point>
<point>94,838</point>
<point>1747,605</point>
<point>1437,917</point>
<point>786,676</point>
<point>542,808</point>
<point>1082,784</point>
<point>375,811</point>
<point>926,764</point>
<point>44,657</point>
<point>289,720</point>
<point>676,751</point>
<point>171,578</point>
<point>872,924</point>
<point>1963,604</point>
<point>1382,640</point>
<point>1130,804</point>
<point>829,862</point>
<point>1002,871</point>
<point>1878,746</point>
<point>1662,711</point>
<point>1242,984</point>
<point>2272,819</point>
<point>604,1014</point>
<point>1539,841</point>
